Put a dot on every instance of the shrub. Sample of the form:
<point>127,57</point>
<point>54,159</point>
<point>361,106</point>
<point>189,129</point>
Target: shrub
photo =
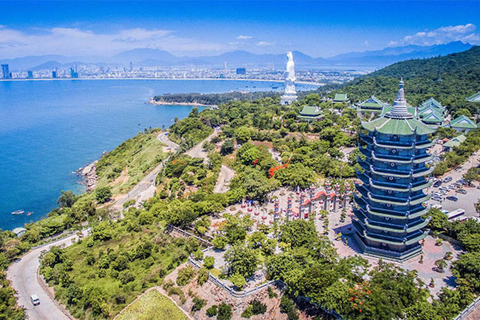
<point>258,307</point>
<point>198,255</point>
<point>168,284</point>
<point>208,262</point>
<point>176,290</point>
<point>238,281</point>
<point>103,194</point>
<point>198,304</point>
<point>212,311</point>
<point>126,277</point>
<point>247,313</point>
<point>271,293</point>
<point>224,311</point>
<point>185,275</point>
<point>287,306</point>
<point>202,276</point>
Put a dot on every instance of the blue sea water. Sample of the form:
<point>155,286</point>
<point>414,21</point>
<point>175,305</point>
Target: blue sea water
<point>48,129</point>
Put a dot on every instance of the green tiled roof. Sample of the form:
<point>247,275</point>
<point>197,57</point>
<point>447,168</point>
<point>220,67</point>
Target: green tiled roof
<point>432,117</point>
<point>463,122</point>
<point>432,102</point>
<point>372,104</point>
<point>455,142</point>
<point>310,111</point>
<point>340,97</point>
<point>397,126</point>
<point>474,98</point>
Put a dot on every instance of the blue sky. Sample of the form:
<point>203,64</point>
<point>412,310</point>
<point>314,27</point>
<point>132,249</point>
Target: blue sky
<point>317,28</point>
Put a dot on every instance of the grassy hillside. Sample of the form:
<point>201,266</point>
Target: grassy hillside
<point>123,167</point>
<point>153,305</point>
<point>450,79</point>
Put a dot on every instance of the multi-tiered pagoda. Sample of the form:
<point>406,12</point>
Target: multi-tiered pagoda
<point>390,198</point>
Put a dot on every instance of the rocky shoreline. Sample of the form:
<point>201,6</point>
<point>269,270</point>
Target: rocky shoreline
<point>89,175</point>
<point>164,103</point>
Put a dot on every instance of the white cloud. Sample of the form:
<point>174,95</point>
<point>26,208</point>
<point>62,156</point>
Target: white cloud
<point>264,44</point>
<point>75,41</point>
<point>241,37</point>
<point>464,33</point>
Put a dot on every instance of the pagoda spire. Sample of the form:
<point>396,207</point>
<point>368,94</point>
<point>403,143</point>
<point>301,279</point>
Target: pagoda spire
<point>399,109</point>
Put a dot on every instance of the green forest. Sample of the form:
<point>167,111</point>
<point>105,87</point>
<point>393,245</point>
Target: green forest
<point>449,79</point>
<point>101,274</point>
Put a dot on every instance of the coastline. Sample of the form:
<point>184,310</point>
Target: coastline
<point>163,79</point>
<point>192,104</point>
<point>89,176</point>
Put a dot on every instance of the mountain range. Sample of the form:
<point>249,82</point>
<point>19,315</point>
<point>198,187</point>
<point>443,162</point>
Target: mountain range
<point>144,57</point>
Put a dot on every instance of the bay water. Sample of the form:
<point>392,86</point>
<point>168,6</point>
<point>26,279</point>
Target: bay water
<point>49,129</point>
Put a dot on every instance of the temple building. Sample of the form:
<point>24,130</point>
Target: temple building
<point>310,113</point>
<point>462,124</point>
<point>454,142</point>
<point>475,98</point>
<point>390,200</point>
<point>432,112</point>
<point>341,98</point>
<point>372,104</point>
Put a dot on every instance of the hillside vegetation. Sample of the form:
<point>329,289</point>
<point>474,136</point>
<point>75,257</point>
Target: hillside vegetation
<point>449,79</point>
<point>123,167</point>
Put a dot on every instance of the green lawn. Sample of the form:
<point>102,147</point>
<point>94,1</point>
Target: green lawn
<point>153,305</point>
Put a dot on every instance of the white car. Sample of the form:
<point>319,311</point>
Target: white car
<point>35,299</point>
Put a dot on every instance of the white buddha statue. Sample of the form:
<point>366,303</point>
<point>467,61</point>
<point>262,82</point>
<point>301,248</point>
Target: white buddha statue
<point>290,76</point>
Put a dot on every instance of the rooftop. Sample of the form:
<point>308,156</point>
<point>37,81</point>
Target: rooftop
<point>399,120</point>
<point>474,98</point>
<point>340,97</point>
<point>463,122</point>
<point>455,142</point>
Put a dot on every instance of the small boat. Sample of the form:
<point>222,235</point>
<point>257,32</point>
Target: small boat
<point>17,212</point>
<point>29,213</point>
<point>274,87</point>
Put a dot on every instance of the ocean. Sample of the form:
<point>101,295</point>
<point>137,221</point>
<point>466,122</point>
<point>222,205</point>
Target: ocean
<point>49,129</point>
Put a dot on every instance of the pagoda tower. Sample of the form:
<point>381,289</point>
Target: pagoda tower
<point>390,198</point>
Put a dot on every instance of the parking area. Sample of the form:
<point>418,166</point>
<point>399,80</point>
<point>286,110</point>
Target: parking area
<point>465,201</point>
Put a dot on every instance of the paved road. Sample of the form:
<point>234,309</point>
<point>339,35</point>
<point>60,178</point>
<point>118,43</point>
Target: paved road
<point>23,274</point>
<point>23,278</point>
<point>224,178</point>
<point>197,151</point>
<point>142,191</point>
<point>145,189</point>
<point>163,137</point>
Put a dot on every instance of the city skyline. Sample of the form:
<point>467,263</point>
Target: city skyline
<point>320,29</point>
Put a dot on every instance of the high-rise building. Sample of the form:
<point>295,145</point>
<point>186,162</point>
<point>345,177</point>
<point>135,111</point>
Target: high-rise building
<point>390,199</point>
<point>241,71</point>
<point>54,74</point>
<point>29,74</point>
<point>73,73</point>
<point>131,66</point>
<point>6,72</point>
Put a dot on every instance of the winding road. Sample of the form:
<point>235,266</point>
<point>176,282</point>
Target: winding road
<point>23,274</point>
<point>23,278</point>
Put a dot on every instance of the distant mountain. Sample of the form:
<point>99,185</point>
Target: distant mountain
<point>145,57</point>
<point>138,56</point>
<point>395,54</point>
<point>30,62</point>
<point>449,79</point>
